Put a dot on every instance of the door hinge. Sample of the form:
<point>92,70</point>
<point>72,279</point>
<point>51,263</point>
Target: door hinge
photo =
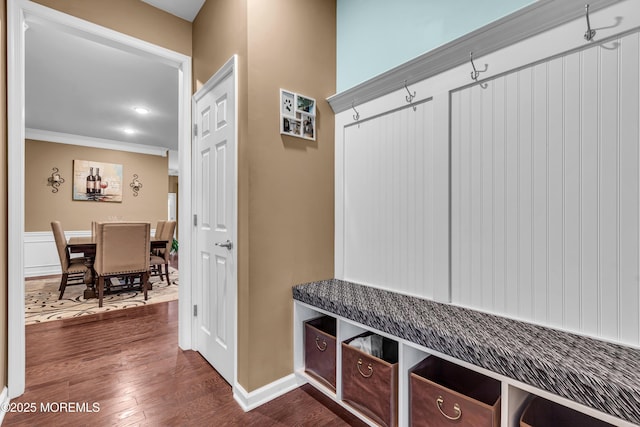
<point>195,220</point>
<point>195,129</point>
<point>195,311</point>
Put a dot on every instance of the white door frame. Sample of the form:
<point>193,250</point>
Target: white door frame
<point>230,67</point>
<point>18,12</point>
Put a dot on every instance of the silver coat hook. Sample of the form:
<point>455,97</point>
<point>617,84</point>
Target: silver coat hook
<point>589,34</point>
<point>409,97</point>
<point>356,116</point>
<point>475,73</point>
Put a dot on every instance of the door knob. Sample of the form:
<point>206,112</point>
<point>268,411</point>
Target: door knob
<point>228,244</point>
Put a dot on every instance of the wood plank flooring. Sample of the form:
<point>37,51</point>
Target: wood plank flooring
<point>129,364</point>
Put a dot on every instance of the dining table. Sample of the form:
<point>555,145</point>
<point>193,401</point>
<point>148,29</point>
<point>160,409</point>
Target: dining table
<point>86,245</point>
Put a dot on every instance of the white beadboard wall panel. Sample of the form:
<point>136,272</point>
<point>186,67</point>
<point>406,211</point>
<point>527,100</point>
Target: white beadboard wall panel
<point>388,201</point>
<point>608,229</point>
<point>629,178</point>
<point>511,200</point>
<point>526,215</point>
<point>540,173</point>
<point>498,254</point>
<point>555,194</point>
<point>545,193</point>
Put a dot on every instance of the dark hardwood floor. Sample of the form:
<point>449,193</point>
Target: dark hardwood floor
<point>129,364</point>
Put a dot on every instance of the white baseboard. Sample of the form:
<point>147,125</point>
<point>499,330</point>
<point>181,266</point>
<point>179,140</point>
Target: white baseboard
<point>4,402</point>
<point>42,270</point>
<point>251,400</point>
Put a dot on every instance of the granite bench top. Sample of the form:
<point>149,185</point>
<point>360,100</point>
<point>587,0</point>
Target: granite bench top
<point>595,373</point>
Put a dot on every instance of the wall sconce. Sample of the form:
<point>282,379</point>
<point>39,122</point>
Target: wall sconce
<point>135,185</point>
<point>55,180</point>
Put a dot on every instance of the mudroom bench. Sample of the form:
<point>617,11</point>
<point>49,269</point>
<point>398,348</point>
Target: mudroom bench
<point>586,376</point>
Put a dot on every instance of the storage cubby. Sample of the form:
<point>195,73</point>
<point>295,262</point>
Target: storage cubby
<point>370,382</point>
<point>404,369</point>
<point>542,413</point>
<point>446,394</point>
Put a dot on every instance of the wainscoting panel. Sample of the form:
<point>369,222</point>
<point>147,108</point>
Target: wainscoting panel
<point>545,192</point>
<point>388,201</point>
<point>41,254</point>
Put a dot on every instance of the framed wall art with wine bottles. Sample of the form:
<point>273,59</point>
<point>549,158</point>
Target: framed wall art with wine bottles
<point>97,181</point>
<point>297,115</point>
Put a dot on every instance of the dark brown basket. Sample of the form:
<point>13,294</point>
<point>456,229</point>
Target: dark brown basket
<point>320,350</point>
<point>542,413</point>
<point>369,383</point>
<point>446,394</point>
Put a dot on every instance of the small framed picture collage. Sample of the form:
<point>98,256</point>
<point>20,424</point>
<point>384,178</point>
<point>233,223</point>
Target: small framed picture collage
<point>297,115</point>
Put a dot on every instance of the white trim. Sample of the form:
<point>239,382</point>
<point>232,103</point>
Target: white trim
<point>251,400</point>
<point>527,22</point>
<point>19,11</point>
<point>235,214</point>
<point>4,402</point>
<point>184,206</point>
<point>16,198</point>
<point>86,141</point>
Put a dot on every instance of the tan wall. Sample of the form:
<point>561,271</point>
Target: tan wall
<point>132,17</point>
<point>173,184</point>
<point>3,197</point>
<point>227,20</point>
<point>291,215</point>
<point>285,184</point>
<point>43,206</point>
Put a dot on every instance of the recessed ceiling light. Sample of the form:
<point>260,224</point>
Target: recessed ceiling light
<point>141,110</point>
<point>129,131</point>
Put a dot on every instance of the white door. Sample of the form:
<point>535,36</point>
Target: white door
<point>214,156</point>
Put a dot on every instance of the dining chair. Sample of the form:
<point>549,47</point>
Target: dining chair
<point>75,271</point>
<point>158,233</point>
<point>161,257</point>
<point>122,251</point>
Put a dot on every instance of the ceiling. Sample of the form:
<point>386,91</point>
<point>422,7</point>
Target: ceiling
<point>79,87</point>
<point>185,9</point>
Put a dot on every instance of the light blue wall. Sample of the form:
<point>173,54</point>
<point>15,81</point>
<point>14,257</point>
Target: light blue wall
<point>374,36</point>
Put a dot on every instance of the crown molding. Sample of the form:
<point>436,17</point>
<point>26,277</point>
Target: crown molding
<point>529,21</point>
<point>85,141</point>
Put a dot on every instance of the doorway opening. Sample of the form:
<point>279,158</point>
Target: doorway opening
<point>19,14</point>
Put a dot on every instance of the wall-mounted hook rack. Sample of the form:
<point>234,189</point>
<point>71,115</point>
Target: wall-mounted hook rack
<point>589,34</point>
<point>356,116</point>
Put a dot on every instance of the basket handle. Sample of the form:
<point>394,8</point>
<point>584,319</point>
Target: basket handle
<point>369,367</point>
<point>324,347</point>
<point>456,408</point>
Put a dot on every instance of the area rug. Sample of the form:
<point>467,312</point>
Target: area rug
<point>42,304</point>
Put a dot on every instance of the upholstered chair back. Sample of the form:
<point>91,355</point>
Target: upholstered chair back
<point>169,229</point>
<point>61,244</point>
<point>122,247</point>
